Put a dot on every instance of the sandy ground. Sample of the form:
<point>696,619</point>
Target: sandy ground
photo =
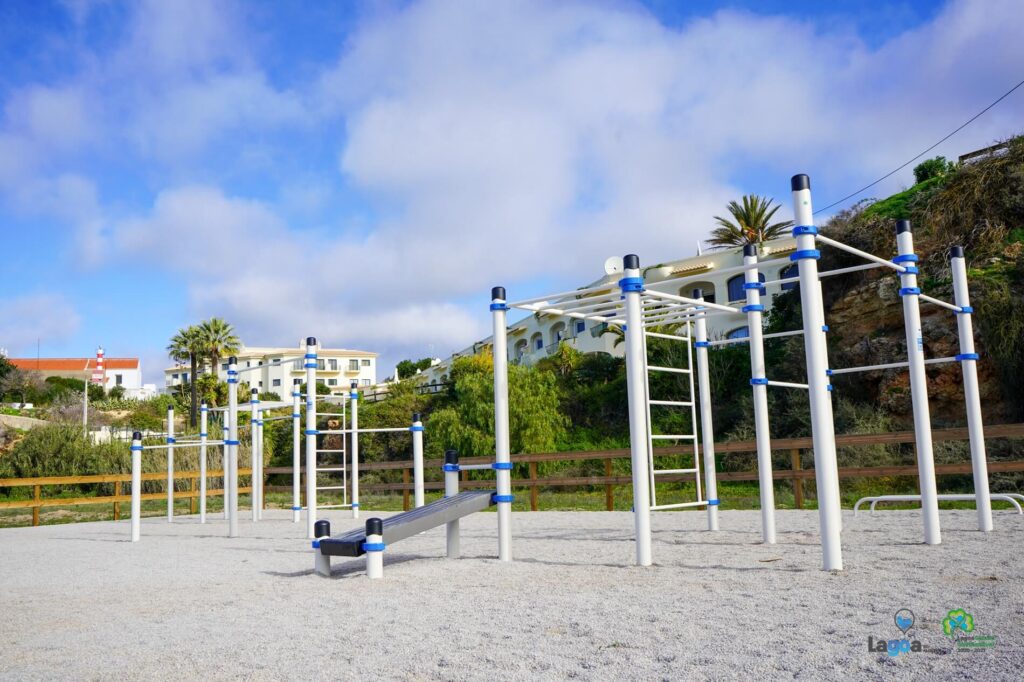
<point>78,601</point>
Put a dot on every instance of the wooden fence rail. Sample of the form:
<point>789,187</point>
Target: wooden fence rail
<point>796,474</point>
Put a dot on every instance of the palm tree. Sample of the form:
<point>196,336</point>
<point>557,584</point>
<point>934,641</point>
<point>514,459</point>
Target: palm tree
<point>218,340</point>
<point>752,223</point>
<point>187,345</point>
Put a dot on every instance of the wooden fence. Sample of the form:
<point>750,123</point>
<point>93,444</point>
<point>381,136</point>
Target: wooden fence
<point>796,474</point>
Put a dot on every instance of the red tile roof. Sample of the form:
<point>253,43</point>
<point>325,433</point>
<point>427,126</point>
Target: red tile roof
<point>72,364</point>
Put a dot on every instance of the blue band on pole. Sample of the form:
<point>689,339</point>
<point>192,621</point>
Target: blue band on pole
<point>631,284</point>
<point>967,356</point>
<point>753,308</point>
<point>232,381</point>
<point>905,258</point>
<point>232,442</point>
<point>759,381</point>
<point>450,467</point>
<point>415,428</point>
<point>355,504</point>
<point>171,441</point>
<point>354,395</point>
<point>502,466</point>
<point>310,356</point>
<point>203,435</point>
<point>310,365</point>
<point>804,254</point>
<point>713,503</point>
<point>804,229</point>
<point>296,415</point>
<point>965,310</point>
<point>828,387</point>
<point>502,498</point>
<point>824,327</point>
<point>752,285</point>
<point>204,409</point>
<point>911,270</point>
<point>296,508</point>
<point>828,372</point>
<point>316,544</point>
<point>135,447</point>
<point>499,306</point>
<point>701,344</point>
<point>373,546</point>
<point>910,291</point>
<point>312,432</point>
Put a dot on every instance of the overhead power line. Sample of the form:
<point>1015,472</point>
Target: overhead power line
<point>966,123</point>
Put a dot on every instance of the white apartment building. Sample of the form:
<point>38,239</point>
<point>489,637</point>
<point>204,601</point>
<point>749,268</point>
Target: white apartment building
<point>537,336</point>
<point>283,368</point>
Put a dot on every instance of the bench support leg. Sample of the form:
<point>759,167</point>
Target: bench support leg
<point>321,563</point>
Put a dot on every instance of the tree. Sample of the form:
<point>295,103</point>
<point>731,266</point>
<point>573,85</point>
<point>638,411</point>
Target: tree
<point>189,344</point>
<point>751,223</point>
<point>218,340</point>
<point>407,368</point>
<point>21,383</point>
<point>933,168</point>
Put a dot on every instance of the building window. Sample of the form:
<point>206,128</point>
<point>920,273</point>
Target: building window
<point>792,271</point>
<point>333,364</point>
<point>261,384</point>
<point>353,365</point>
<point>174,377</point>
<point>321,381</point>
<point>118,379</point>
<point>332,382</point>
<point>366,382</point>
<point>277,382</point>
<point>538,343</point>
<point>366,363</point>
<point>736,292</point>
<point>296,382</point>
<point>248,363</point>
<point>184,377</point>
<point>581,326</point>
<point>321,364</point>
<point>223,365</point>
<point>738,333</point>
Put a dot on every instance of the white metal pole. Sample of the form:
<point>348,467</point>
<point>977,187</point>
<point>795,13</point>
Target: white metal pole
<point>85,404</point>
<point>451,489</point>
<point>417,460</point>
<point>170,463</point>
<point>502,447</point>
<point>909,292</point>
<point>231,450</point>
<point>354,425</point>
<point>707,429</point>
<point>823,435</point>
<point>374,547</point>
<point>310,366</point>
<point>972,395</point>
<point>296,455</point>
<point>203,437</point>
<point>258,474</point>
<point>136,451</point>
<point>632,284</point>
<point>759,386</point>
<point>254,449</point>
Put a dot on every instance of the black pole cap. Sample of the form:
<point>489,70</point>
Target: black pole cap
<point>902,226</point>
<point>415,416</point>
<point>750,249</point>
<point>374,526</point>
<point>170,408</point>
<point>498,292</point>
<point>310,340</point>
<point>451,456</point>
<point>698,293</point>
<point>255,391</point>
<point>631,262</point>
<point>956,252</point>
<point>322,529</point>
<point>136,435</point>
<point>232,360</point>
<point>799,182</point>
<point>355,384</point>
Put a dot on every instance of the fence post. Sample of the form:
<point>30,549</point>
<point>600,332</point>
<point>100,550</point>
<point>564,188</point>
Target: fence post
<point>192,500</point>
<point>405,490</point>
<point>798,483</point>
<point>609,489</point>
<point>117,505</point>
<point>533,486</point>
<point>37,494</point>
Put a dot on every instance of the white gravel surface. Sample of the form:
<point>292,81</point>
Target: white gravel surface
<point>79,602</point>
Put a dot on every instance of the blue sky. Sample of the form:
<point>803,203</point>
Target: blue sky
<point>365,172</point>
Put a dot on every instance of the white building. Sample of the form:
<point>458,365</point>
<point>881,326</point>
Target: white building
<point>537,336</point>
<point>123,373</point>
<point>283,368</point>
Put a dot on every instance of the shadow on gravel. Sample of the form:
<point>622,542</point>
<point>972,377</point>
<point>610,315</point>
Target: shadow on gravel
<point>355,567</point>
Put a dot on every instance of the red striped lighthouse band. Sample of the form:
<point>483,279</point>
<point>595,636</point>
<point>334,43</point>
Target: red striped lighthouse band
<point>98,374</point>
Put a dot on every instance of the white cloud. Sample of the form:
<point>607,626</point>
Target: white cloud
<point>26,318</point>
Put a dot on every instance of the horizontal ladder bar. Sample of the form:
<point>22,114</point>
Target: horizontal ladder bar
<point>675,403</point>
<point>891,365</point>
<point>659,335</point>
<point>678,505</point>
<point>666,472</point>
<point>668,437</point>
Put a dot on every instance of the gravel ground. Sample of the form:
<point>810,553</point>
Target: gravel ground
<point>78,601</point>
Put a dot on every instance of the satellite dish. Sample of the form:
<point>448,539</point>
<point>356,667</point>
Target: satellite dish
<point>613,265</point>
